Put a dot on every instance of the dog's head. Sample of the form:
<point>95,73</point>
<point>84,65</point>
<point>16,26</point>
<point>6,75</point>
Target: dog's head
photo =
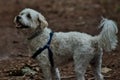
<point>29,18</point>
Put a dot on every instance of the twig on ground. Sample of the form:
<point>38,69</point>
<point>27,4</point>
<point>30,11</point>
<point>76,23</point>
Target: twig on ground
<point>92,78</point>
<point>71,76</point>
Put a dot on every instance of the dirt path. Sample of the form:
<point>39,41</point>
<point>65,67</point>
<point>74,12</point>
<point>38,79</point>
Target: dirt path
<point>62,15</point>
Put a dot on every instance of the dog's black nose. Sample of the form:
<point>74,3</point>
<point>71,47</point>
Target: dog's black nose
<point>18,18</point>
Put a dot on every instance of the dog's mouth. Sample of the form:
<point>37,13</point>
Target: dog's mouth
<point>19,25</point>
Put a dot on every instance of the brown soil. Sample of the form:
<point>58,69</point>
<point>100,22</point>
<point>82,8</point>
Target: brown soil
<point>62,15</point>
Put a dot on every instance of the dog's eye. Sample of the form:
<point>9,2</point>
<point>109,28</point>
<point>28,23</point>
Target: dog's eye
<point>29,16</point>
<point>21,13</point>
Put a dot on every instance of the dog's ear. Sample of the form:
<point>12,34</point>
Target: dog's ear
<point>42,21</point>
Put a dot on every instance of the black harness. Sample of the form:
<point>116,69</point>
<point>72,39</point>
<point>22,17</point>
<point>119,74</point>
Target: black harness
<point>47,46</point>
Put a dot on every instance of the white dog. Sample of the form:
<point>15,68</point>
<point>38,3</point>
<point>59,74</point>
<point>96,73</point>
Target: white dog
<point>81,48</point>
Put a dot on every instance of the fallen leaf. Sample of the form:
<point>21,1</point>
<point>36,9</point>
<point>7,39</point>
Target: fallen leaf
<point>106,70</point>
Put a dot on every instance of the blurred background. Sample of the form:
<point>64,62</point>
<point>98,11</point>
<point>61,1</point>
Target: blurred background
<point>62,15</point>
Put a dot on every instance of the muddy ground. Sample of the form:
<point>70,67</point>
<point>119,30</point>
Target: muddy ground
<point>62,15</point>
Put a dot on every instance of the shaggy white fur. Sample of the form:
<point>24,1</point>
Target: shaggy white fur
<point>81,48</point>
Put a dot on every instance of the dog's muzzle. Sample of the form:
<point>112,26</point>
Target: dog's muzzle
<point>20,25</point>
<point>18,18</point>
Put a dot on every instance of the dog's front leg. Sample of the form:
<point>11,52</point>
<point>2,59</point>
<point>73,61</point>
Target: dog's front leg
<point>45,66</point>
<point>46,72</point>
<point>50,73</point>
<point>56,74</point>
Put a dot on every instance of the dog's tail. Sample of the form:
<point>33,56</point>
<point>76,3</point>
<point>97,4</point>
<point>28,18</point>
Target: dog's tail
<point>107,37</point>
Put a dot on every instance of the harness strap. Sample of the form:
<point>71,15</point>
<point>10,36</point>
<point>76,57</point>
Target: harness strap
<point>47,46</point>
<point>51,57</point>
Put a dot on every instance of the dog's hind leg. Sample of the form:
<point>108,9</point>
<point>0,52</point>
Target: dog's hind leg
<point>96,65</point>
<point>81,62</point>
